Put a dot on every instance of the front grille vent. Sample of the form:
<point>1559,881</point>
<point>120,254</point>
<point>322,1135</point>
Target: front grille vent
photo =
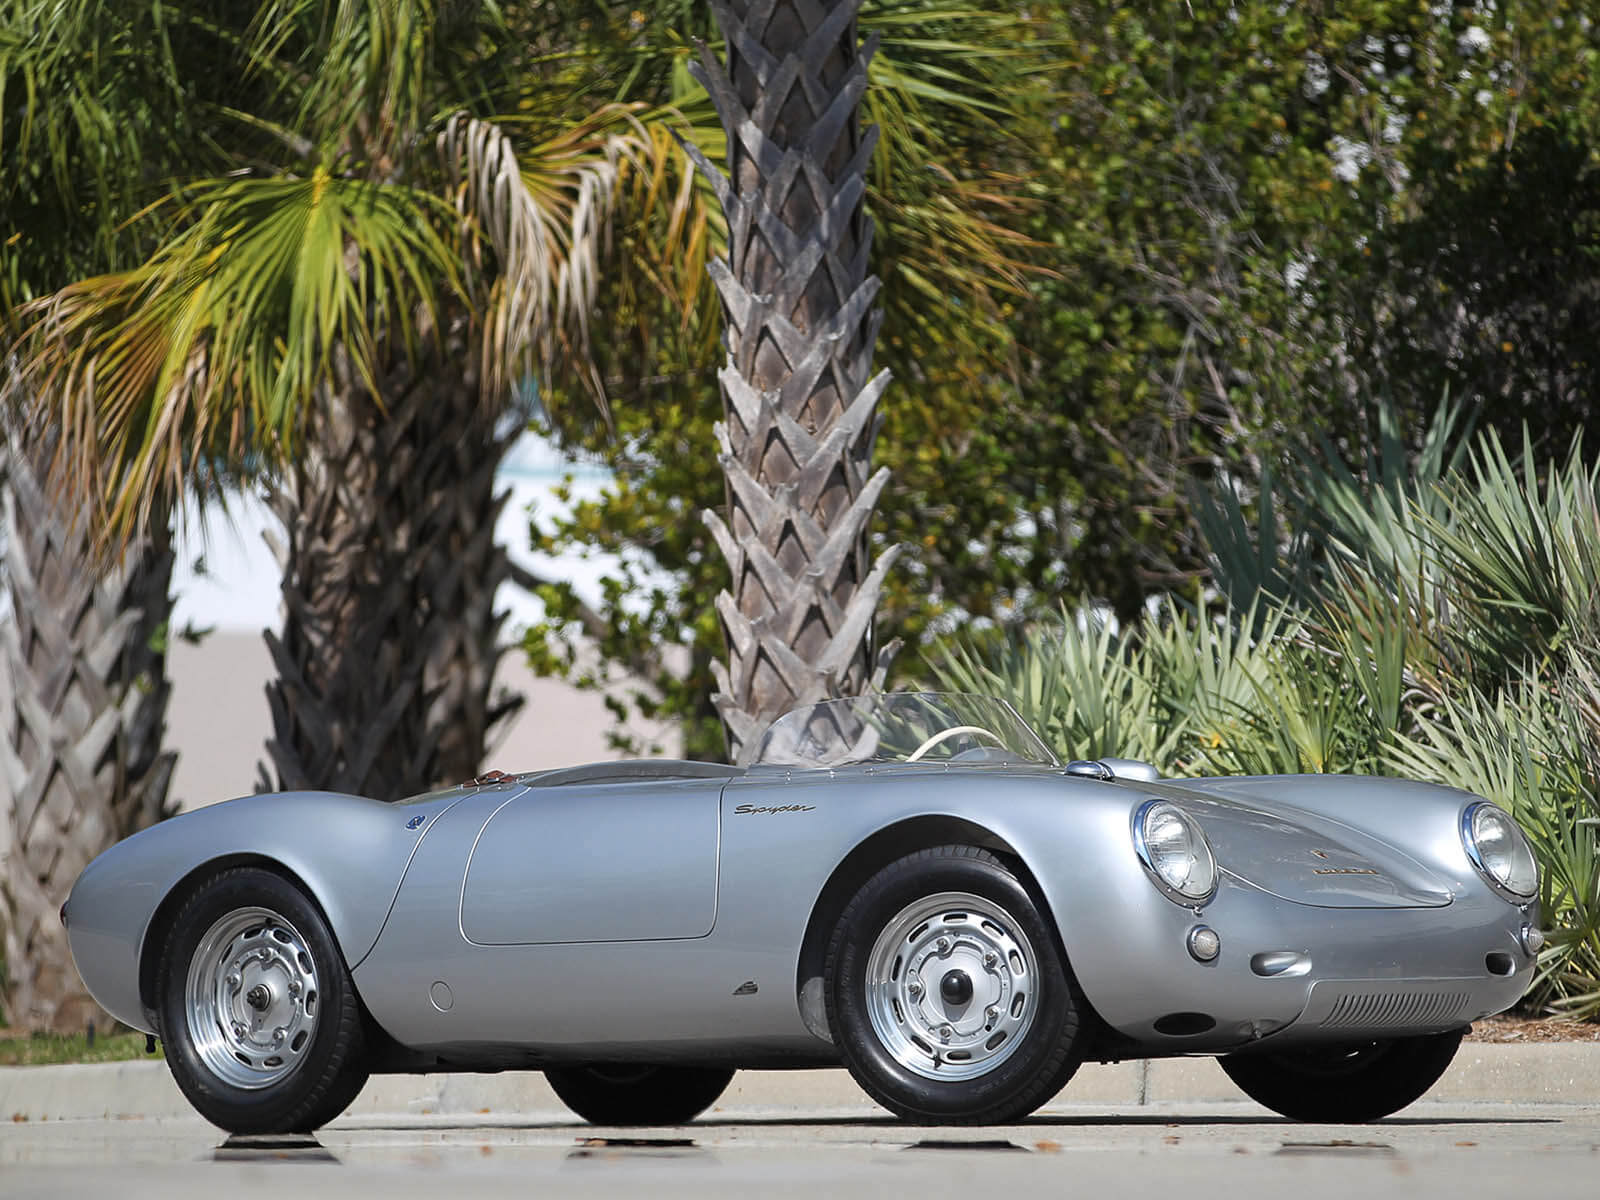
<point>1387,1010</point>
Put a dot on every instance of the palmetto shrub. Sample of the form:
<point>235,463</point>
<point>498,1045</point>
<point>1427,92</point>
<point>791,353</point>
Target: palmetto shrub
<point>1530,749</point>
<point>1081,684</point>
<point>1192,693</point>
<point>1442,625</point>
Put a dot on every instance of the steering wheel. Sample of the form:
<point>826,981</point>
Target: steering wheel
<point>951,732</point>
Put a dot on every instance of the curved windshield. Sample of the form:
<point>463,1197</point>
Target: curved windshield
<point>902,727</point>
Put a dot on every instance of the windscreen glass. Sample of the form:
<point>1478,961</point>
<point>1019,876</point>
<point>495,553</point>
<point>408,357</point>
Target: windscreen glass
<point>903,727</point>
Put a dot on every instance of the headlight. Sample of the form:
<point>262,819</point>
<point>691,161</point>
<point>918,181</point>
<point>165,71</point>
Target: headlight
<point>1175,852</point>
<point>1500,852</point>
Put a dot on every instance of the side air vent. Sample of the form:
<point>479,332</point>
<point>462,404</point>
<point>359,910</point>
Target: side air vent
<point>1385,1010</point>
<point>1185,1024</point>
<point>1498,962</point>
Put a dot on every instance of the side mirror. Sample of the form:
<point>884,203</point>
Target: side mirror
<point>1132,769</point>
<point>1114,768</point>
<point>1089,769</point>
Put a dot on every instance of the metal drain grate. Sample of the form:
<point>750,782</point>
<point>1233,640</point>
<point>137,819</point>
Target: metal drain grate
<point>1384,1010</point>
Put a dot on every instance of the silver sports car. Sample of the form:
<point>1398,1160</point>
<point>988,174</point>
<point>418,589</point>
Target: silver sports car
<point>909,885</point>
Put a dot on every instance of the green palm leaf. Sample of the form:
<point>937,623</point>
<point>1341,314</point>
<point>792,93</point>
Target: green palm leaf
<point>208,347</point>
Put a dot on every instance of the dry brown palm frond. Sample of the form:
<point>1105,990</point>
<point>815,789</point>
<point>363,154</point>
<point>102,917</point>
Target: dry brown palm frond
<point>544,209</point>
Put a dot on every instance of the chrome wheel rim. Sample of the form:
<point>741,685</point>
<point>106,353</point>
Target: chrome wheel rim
<point>952,986</point>
<point>252,998</point>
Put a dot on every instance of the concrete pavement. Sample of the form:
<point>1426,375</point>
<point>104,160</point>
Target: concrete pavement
<point>1561,1073</point>
<point>1227,1150</point>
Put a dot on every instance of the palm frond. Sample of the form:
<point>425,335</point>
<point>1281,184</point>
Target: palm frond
<point>91,109</point>
<point>544,209</point>
<point>1522,554</point>
<point>1254,562</point>
<point>216,342</point>
<point>357,72</point>
<point>1073,681</point>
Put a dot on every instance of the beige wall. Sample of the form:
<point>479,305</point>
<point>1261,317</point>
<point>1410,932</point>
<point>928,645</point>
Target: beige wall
<point>218,719</point>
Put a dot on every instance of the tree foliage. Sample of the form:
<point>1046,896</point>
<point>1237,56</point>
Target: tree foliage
<point>93,121</point>
<point>1213,232</point>
<point>950,262</point>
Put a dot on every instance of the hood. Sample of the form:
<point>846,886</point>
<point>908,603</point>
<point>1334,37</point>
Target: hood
<point>1306,858</point>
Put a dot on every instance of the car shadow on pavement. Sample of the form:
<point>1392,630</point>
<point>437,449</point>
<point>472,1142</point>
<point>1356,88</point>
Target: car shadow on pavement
<point>1037,1121</point>
<point>1060,1120</point>
<point>272,1148</point>
<point>581,1129</point>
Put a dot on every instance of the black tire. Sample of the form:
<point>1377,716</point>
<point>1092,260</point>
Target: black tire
<point>638,1093</point>
<point>1344,1084</point>
<point>212,981</point>
<point>898,1064</point>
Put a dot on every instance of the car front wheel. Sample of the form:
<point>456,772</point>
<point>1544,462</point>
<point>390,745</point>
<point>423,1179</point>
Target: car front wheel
<point>259,1018</point>
<point>1344,1084</point>
<point>946,993</point>
<point>638,1093</point>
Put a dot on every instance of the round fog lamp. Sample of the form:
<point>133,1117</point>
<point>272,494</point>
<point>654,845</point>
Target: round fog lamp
<point>1204,943</point>
<point>1532,939</point>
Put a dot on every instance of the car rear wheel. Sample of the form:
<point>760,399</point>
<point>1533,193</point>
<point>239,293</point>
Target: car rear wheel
<point>1344,1084</point>
<point>259,1019</point>
<point>638,1093</point>
<point>946,993</point>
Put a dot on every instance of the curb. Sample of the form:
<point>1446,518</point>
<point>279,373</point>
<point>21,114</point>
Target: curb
<point>1544,1073</point>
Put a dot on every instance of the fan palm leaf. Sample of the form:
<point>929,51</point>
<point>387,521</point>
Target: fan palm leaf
<point>544,211</point>
<point>210,346</point>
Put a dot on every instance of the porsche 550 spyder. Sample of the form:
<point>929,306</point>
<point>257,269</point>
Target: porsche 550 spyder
<point>908,885</point>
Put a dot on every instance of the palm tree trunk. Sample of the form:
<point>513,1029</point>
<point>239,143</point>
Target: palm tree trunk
<point>799,399</point>
<point>390,638</point>
<point>83,694</point>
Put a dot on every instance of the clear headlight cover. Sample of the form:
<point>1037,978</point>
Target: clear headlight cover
<point>1500,851</point>
<point>1174,850</point>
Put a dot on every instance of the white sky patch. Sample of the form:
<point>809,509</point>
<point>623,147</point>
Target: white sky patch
<point>226,577</point>
<point>1374,48</point>
<point>1349,157</point>
<point>1317,77</point>
<point>1473,40</point>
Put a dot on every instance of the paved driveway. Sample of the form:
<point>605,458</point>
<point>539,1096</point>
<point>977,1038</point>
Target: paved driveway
<point>1505,1122</point>
<point>1231,1150</point>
